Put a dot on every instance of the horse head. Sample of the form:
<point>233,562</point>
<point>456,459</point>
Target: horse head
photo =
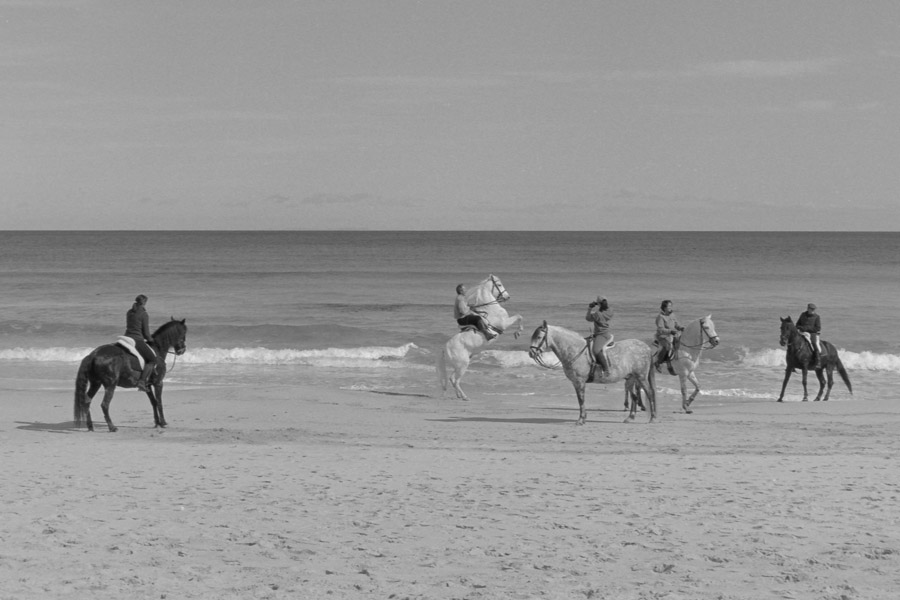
<point>787,330</point>
<point>539,341</point>
<point>498,291</point>
<point>172,335</point>
<point>709,328</point>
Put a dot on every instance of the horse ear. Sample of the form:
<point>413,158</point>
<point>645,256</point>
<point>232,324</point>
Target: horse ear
<point>183,321</point>
<point>545,322</point>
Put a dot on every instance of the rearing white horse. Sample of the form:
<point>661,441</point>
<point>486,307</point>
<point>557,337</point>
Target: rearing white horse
<point>486,298</point>
<point>696,337</point>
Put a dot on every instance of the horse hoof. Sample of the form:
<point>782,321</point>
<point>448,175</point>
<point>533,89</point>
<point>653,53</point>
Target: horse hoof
<point>688,412</point>
<point>113,429</point>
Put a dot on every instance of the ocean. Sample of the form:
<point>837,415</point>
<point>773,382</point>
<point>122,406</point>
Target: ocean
<point>370,311</point>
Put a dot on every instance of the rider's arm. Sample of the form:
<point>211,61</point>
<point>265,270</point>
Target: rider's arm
<point>145,326</point>
<point>661,326</point>
<point>462,308</point>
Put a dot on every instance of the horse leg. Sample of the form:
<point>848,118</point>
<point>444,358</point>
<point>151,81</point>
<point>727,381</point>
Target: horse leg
<point>107,398</point>
<point>582,413</point>
<point>692,377</point>
<point>682,381</point>
<point>647,386</point>
<point>455,377</point>
<point>154,392</point>
<point>803,371</point>
<point>821,377</point>
<point>787,377</point>
<point>92,391</point>
<point>830,372</point>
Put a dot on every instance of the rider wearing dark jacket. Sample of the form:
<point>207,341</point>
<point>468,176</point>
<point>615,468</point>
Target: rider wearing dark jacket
<point>809,322</point>
<point>137,327</point>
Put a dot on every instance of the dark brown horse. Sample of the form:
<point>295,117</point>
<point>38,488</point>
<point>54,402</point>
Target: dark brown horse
<point>111,366</point>
<point>800,356</point>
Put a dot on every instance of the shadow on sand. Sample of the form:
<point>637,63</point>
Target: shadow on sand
<point>64,427</point>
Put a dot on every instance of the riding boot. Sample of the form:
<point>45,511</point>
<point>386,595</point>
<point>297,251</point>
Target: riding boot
<point>145,375</point>
<point>604,367</point>
<point>817,360</point>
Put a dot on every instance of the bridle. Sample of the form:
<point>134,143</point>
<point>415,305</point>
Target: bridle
<point>536,352</point>
<point>702,345</point>
<point>496,286</point>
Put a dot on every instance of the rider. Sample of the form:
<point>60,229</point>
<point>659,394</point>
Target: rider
<point>137,327</point>
<point>465,314</point>
<point>600,315</point>
<point>809,322</point>
<point>668,332</point>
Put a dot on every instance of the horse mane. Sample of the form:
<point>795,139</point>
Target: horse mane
<point>165,327</point>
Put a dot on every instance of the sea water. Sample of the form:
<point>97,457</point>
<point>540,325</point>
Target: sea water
<point>370,311</point>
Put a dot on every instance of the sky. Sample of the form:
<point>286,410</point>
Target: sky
<point>450,115</point>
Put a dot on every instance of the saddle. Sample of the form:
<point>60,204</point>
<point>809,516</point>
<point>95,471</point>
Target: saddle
<point>670,355</point>
<point>127,343</point>
<point>809,343</point>
<point>490,328</point>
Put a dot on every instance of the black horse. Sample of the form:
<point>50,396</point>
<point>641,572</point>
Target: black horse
<point>111,366</point>
<point>800,356</point>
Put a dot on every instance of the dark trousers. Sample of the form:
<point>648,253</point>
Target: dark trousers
<point>475,321</point>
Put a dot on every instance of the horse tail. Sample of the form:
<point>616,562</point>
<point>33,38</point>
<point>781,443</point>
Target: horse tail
<point>81,384</point>
<point>843,372</point>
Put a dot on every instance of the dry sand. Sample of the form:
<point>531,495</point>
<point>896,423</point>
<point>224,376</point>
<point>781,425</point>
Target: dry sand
<point>299,492</point>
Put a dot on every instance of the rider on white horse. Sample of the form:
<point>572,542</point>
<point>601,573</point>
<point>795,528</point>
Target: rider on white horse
<point>466,315</point>
<point>600,315</point>
<point>667,332</point>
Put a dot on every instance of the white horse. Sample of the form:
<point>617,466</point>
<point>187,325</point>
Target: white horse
<point>697,336</point>
<point>631,360</point>
<point>486,298</point>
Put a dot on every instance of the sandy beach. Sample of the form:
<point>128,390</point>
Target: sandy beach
<point>302,492</point>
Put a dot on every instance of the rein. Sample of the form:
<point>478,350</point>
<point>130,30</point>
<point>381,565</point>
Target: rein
<point>497,299</point>
<point>702,343</point>
<point>538,352</point>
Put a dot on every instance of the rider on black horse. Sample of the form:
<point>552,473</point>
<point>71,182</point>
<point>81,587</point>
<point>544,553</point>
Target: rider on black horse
<point>137,327</point>
<point>810,323</point>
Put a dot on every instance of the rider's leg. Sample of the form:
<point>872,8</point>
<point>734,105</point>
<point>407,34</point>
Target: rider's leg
<point>149,368</point>
<point>599,342</point>
<point>816,355</point>
<point>604,365</point>
<point>483,327</point>
<point>149,365</point>
<point>663,353</point>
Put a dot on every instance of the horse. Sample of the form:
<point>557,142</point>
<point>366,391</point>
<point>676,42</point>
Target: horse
<point>693,341</point>
<point>631,360</point>
<point>799,356</point>
<point>486,297</point>
<point>111,365</point>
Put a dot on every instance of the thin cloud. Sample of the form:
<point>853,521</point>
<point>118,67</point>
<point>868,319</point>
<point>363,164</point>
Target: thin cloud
<point>735,69</point>
<point>760,69</point>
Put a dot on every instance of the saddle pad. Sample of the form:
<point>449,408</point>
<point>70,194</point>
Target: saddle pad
<point>128,344</point>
